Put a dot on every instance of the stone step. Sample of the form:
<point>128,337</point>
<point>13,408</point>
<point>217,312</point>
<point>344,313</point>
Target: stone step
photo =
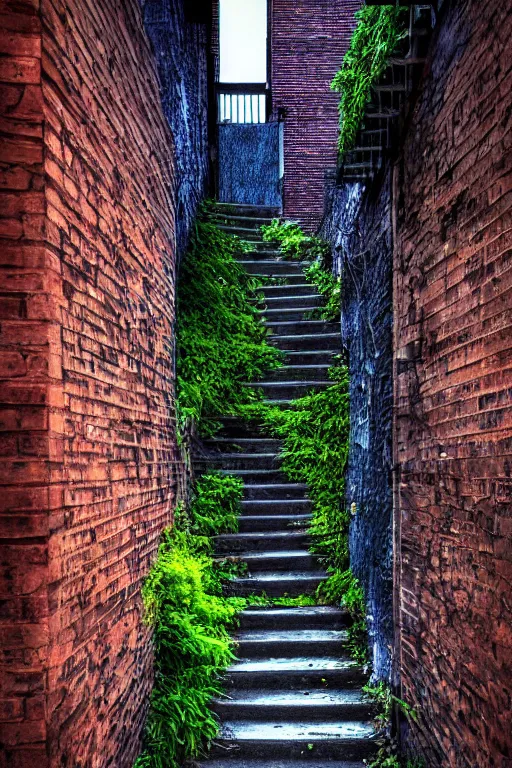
<point>275,491</point>
<point>235,428</point>
<point>258,476</point>
<point>290,643</point>
<point>300,559</point>
<point>240,461</point>
<point>246,222</point>
<point>306,342</point>
<point>284,674</point>
<point>255,523</point>
<point>287,290</point>
<point>290,279</point>
<point>293,302</point>
<point>236,543</point>
<point>289,390</point>
<point>351,740</point>
<point>303,327</point>
<point>256,250</point>
<point>242,209</point>
<point>308,706</point>
<point>277,583</point>
<point>311,357</point>
<point>287,314</point>
<point>294,373</point>
<point>235,762</point>
<point>246,445</point>
<point>276,507</point>
<point>241,230</point>
<point>312,617</point>
<point>275,267</point>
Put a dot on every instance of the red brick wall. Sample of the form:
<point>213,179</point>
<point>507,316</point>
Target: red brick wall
<point>29,371</point>
<point>309,39</point>
<point>453,296</point>
<point>86,333</point>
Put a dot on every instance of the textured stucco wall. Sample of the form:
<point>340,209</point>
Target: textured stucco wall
<point>358,225</point>
<point>181,54</point>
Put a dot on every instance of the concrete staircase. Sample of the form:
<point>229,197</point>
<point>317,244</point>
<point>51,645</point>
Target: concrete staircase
<point>293,697</point>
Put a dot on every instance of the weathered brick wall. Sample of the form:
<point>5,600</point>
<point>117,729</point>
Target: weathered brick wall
<point>453,391</point>
<point>309,39</point>
<point>29,372</point>
<point>358,224</point>
<point>88,390</point>
<point>182,56</point>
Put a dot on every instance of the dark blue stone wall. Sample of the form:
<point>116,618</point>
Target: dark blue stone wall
<point>181,53</point>
<point>359,227</point>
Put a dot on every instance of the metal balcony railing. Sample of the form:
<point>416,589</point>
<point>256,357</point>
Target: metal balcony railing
<point>242,102</point>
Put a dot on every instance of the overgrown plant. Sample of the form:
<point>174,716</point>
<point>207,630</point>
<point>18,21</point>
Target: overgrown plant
<point>329,287</point>
<point>384,701</point>
<point>293,241</point>
<point>377,34</point>
<point>315,431</point>
<point>342,587</point>
<point>191,620</point>
<point>221,338</point>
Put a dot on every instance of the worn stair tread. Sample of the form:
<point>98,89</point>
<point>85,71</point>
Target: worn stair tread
<point>303,297</point>
<point>308,336</point>
<point>275,555</point>
<point>317,697</point>
<point>279,486</point>
<point>298,664</point>
<point>257,617</point>
<point>285,535</point>
<point>239,455</point>
<point>292,636</point>
<point>274,522</point>
<point>256,220</point>
<point>243,440</point>
<point>283,384</point>
<point>274,502</point>
<point>258,473</point>
<point>276,576</point>
<point>281,763</point>
<point>255,730</point>
<point>299,517</point>
<point>270,312</point>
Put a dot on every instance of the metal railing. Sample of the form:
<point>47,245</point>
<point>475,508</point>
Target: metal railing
<point>242,102</point>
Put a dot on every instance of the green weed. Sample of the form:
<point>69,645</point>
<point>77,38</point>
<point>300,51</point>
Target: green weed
<point>220,336</point>
<point>191,621</point>
<point>377,34</point>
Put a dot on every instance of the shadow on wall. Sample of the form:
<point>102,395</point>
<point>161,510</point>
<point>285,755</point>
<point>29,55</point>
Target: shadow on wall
<point>181,54</point>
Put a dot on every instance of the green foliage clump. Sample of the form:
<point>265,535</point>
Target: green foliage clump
<point>221,337</point>
<point>384,701</point>
<point>215,504</point>
<point>293,241</point>
<point>379,30</point>
<point>315,432</point>
<point>330,288</point>
<point>342,587</point>
<point>191,620</point>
